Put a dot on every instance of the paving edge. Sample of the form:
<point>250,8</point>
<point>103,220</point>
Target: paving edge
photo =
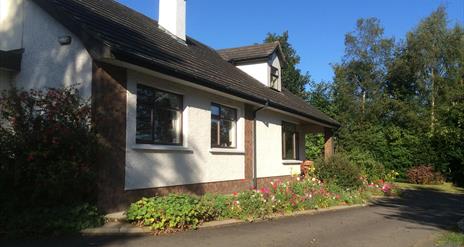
<point>129,229</point>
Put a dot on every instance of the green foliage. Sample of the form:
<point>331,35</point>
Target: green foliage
<point>48,147</point>
<point>173,211</point>
<point>251,205</point>
<point>339,170</point>
<point>292,77</point>
<point>451,239</point>
<point>402,102</point>
<point>314,146</point>
<point>215,206</point>
<point>371,168</point>
<point>47,161</point>
<point>47,222</point>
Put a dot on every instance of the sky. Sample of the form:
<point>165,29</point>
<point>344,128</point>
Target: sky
<point>316,27</point>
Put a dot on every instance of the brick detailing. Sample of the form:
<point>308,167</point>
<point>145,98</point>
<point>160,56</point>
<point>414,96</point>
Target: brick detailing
<point>249,140</point>
<point>109,117</point>
<point>265,182</point>
<point>224,187</point>
<point>329,143</point>
<point>109,97</point>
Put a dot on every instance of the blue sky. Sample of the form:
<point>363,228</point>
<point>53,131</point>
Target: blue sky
<point>316,27</point>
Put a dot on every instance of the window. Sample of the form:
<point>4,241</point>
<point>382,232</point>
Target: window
<point>223,126</point>
<point>275,78</point>
<point>290,145</point>
<point>159,117</point>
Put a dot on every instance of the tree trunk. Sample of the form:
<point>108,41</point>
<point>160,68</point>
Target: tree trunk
<point>432,110</point>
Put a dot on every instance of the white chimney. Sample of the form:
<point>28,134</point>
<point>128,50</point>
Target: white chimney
<point>172,17</point>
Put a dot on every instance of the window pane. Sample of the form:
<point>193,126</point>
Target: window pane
<point>144,123</point>
<point>289,141</point>
<point>214,132</point>
<point>227,134</point>
<point>167,100</point>
<point>145,94</point>
<point>215,111</point>
<point>167,126</point>
<point>289,146</point>
<point>228,113</point>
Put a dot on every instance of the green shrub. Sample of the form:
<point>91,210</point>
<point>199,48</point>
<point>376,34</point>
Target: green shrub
<point>314,145</point>
<point>214,206</point>
<point>339,170</point>
<point>47,148</point>
<point>251,205</point>
<point>168,212</point>
<point>370,167</point>
<point>42,222</point>
<point>47,161</point>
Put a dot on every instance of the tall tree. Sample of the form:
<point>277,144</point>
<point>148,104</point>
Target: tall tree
<point>428,54</point>
<point>359,79</point>
<point>292,77</point>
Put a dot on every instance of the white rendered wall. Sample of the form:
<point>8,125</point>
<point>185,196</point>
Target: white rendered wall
<point>158,168</point>
<point>269,145</point>
<point>275,62</point>
<point>259,71</point>
<point>45,62</point>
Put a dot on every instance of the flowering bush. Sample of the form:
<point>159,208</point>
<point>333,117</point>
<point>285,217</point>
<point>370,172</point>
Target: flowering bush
<point>424,174</point>
<point>182,211</point>
<point>47,154</point>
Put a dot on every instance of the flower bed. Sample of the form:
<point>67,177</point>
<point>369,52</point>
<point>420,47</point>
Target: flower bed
<point>176,212</point>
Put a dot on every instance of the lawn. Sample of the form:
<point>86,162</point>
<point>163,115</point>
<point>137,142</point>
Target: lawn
<point>448,238</point>
<point>451,239</point>
<point>446,187</point>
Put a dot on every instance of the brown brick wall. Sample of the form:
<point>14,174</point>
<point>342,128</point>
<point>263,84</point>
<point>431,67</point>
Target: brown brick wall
<point>109,117</point>
<point>249,136</point>
<point>329,146</point>
<point>265,182</point>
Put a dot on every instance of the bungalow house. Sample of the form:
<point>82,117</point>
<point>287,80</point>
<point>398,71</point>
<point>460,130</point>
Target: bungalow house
<point>174,114</point>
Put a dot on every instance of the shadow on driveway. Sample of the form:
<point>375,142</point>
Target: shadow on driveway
<point>427,207</point>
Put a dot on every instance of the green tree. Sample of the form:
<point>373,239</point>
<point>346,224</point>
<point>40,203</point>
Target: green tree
<point>359,79</point>
<point>292,77</point>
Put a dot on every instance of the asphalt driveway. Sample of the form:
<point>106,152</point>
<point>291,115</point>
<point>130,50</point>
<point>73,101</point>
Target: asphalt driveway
<point>412,220</point>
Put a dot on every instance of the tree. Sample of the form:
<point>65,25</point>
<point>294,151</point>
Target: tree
<point>359,79</point>
<point>428,53</point>
<point>292,77</point>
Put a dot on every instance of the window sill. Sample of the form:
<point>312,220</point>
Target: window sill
<point>162,148</point>
<point>225,151</point>
<point>292,162</point>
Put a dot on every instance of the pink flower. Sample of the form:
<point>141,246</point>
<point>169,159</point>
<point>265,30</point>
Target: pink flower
<point>264,190</point>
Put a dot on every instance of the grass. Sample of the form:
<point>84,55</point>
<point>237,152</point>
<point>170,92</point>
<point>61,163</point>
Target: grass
<point>447,239</point>
<point>451,239</point>
<point>446,187</point>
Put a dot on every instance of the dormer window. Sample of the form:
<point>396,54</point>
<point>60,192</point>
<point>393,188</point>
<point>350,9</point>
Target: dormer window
<point>262,62</point>
<point>275,78</point>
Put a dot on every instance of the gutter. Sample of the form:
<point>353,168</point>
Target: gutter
<point>255,167</point>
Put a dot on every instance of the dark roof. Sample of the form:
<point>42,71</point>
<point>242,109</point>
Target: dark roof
<point>110,30</point>
<point>251,52</point>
